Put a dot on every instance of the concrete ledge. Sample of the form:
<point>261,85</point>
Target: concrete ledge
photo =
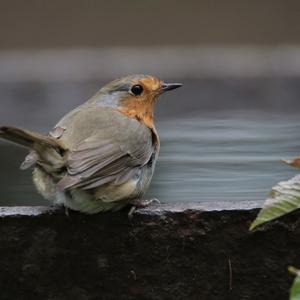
<point>151,210</point>
<point>186,251</point>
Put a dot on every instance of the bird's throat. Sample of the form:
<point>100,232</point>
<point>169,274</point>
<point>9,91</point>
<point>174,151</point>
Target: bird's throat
<point>143,111</point>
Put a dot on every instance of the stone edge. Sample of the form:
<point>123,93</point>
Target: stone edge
<point>151,210</point>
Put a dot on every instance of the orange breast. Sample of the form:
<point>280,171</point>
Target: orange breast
<point>140,109</point>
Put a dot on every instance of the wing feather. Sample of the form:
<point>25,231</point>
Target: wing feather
<point>113,154</point>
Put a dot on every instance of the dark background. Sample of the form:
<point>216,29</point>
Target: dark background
<point>43,24</point>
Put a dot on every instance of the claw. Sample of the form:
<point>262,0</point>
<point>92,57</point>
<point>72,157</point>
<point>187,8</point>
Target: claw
<point>67,211</point>
<point>131,212</point>
<point>154,200</point>
<point>139,203</point>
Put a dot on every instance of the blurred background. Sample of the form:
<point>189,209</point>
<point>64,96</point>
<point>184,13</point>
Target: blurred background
<point>223,134</point>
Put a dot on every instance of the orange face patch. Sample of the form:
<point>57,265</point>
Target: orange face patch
<point>142,107</point>
<point>151,83</point>
<point>143,111</point>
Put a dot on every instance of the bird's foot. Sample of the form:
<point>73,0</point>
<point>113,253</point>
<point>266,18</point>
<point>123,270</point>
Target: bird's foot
<point>140,203</point>
<point>67,211</point>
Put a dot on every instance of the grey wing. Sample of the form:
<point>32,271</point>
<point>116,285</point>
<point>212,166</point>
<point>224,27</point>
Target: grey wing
<point>114,156</point>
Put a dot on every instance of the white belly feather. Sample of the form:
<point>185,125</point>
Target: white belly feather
<point>104,198</point>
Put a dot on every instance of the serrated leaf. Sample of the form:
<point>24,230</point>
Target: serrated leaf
<point>284,198</point>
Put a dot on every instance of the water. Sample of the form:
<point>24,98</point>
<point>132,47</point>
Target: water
<point>231,156</point>
<point>212,154</point>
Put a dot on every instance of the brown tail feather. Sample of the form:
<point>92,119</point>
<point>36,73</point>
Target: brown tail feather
<point>28,138</point>
<point>48,150</point>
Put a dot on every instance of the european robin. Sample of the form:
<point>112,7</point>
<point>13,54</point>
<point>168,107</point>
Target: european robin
<point>101,155</point>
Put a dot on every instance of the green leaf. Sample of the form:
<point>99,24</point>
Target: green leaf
<point>295,289</point>
<point>284,198</point>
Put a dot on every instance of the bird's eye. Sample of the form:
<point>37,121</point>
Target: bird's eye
<point>137,89</point>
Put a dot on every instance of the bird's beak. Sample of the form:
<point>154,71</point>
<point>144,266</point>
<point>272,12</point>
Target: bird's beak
<point>170,86</point>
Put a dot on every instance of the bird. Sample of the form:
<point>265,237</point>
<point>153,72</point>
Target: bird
<point>101,155</point>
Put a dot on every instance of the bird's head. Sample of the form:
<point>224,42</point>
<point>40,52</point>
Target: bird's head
<point>134,96</point>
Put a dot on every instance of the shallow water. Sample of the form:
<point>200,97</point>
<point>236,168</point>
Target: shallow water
<point>207,154</point>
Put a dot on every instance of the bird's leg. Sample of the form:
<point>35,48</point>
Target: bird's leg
<point>140,203</point>
<point>131,212</point>
<point>67,211</point>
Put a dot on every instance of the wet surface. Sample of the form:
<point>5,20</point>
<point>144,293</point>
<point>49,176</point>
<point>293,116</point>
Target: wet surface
<point>222,140</point>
